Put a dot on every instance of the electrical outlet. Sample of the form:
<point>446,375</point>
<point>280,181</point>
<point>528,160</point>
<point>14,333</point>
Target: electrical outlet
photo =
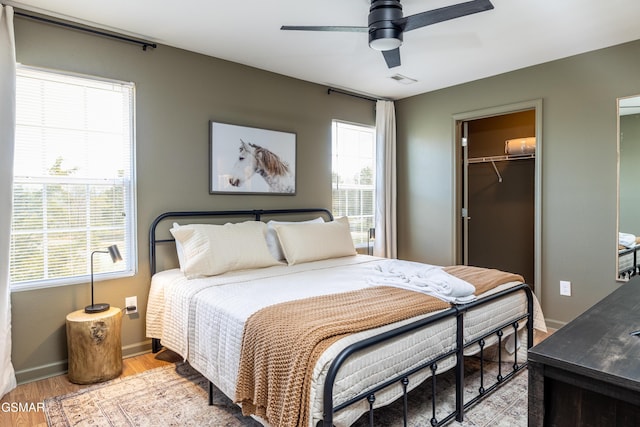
<point>131,305</point>
<point>565,288</point>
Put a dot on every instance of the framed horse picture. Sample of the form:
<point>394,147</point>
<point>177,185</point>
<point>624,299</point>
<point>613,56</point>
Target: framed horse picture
<point>248,160</point>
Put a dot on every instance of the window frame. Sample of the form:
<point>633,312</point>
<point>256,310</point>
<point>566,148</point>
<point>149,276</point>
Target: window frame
<point>130,254</point>
<point>335,123</point>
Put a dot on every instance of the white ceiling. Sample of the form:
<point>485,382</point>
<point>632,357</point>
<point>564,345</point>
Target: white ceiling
<point>516,34</point>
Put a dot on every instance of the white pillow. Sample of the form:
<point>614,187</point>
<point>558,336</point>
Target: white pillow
<point>315,241</point>
<point>208,250</point>
<point>179,249</point>
<point>272,237</point>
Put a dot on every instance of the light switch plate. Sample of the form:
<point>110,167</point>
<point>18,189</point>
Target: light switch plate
<point>565,288</point>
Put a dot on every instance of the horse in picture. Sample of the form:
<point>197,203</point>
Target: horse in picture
<point>254,159</point>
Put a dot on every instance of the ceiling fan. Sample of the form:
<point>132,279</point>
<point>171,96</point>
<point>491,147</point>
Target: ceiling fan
<point>386,24</point>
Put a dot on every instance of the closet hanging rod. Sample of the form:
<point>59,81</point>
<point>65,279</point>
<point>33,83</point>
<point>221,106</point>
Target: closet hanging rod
<point>143,43</point>
<point>500,158</point>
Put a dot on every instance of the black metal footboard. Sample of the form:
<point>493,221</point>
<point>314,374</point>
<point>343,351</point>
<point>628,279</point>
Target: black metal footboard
<point>459,312</point>
<point>628,271</point>
<point>370,395</point>
<point>484,387</point>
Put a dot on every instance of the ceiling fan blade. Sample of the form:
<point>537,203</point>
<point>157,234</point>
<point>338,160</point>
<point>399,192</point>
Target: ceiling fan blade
<point>325,28</point>
<point>392,57</point>
<point>444,14</point>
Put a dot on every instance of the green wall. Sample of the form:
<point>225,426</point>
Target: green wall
<point>177,93</point>
<point>578,168</point>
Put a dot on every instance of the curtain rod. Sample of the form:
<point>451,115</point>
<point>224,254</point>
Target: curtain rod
<point>144,44</point>
<point>355,95</point>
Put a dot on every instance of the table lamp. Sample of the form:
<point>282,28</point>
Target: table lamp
<point>115,257</point>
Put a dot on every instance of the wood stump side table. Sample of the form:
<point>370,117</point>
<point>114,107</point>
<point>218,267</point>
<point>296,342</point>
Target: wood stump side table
<point>94,346</point>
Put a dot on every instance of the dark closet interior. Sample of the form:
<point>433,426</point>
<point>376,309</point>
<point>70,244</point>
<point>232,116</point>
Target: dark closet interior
<point>501,196</point>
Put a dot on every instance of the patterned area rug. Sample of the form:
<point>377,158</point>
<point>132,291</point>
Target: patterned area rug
<point>177,395</point>
<point>504,407</point>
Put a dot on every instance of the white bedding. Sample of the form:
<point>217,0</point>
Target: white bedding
<point>203,320</point>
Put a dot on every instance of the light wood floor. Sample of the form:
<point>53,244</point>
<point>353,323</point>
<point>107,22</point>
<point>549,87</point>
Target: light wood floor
<point>35,392</point>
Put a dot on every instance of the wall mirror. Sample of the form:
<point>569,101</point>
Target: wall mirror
<point>628,195</point>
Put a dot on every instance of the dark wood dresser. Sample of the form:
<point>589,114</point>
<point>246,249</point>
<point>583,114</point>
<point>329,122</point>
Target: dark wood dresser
<point>588,372</point>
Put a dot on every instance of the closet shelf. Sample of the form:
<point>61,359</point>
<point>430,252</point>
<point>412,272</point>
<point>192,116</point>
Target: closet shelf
<point>500,158</point>
<point>494,159</point>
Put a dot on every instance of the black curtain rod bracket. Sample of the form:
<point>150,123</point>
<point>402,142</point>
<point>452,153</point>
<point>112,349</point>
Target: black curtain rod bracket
<point>90,30</point>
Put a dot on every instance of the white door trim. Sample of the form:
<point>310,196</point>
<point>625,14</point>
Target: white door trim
<point>458,118</point>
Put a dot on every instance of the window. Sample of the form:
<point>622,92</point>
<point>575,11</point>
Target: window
<point>73,189</point>
<point>354,177</point>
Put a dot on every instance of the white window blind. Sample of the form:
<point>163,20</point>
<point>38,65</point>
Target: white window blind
<point>73,190</point>
<point>354,177</point>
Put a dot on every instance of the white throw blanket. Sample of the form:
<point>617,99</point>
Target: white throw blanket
<point>627,239</point>
<point>428,279</point>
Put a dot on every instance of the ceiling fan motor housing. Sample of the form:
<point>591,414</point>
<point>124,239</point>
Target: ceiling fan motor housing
<point>383,33</point>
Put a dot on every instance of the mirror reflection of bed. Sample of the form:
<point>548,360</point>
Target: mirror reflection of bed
<point>629,197</point>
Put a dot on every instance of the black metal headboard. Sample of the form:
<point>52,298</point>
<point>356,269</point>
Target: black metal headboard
<point>255,214</point>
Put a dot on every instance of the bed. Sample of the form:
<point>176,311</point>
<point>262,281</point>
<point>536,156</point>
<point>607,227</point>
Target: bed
<point>628,261</point>
<point>206,317</point>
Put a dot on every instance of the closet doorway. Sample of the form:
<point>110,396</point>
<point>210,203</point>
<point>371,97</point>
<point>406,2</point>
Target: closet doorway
<point>498,189</point>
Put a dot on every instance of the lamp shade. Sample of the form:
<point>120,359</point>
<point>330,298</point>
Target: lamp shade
<point>115,253</point>
<point>115,257</point>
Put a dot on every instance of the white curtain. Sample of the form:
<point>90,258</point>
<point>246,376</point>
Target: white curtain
<point>7,131</point>
<point>385,243</point>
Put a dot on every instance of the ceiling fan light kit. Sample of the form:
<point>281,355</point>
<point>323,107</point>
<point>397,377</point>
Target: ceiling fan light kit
<point>386,24</point>
<point>384,31</point>
<point>384,42</point>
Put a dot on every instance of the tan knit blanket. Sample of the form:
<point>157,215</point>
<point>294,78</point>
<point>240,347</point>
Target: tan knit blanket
<point>282,342</point>
<point>484,279</point>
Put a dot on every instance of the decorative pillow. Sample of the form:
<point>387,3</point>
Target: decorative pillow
<point>272,237</point>
<point>208,250</point>
<point>315,241</point>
